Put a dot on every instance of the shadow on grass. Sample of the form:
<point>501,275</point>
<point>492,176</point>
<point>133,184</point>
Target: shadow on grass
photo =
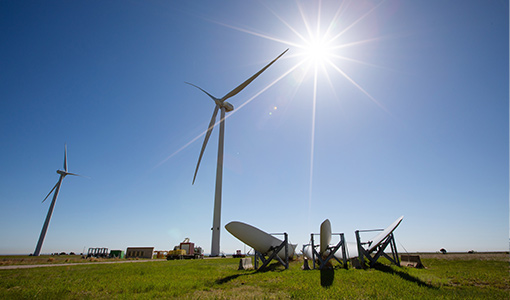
<point>274,267</point>
<point>229,278</point>
<point>271,268</point>
<point>403,275</point>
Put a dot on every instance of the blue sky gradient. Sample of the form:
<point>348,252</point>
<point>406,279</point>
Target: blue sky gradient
<point>408,117</point>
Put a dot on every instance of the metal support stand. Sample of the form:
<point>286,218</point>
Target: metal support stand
<point>362,253</point>
<point>332,250</point>
<point>274,254</point>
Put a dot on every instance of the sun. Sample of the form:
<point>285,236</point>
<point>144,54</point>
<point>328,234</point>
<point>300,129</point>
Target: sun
<point>317,50</point>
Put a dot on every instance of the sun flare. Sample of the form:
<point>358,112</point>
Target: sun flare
<point>320,48</point>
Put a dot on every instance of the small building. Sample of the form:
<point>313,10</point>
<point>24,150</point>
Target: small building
<point>139,252</point>
<point>116,254</point>
<point>98,252</point>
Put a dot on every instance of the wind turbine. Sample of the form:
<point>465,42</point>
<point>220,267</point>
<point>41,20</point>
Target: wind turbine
<point>223,106</point>
<point>62,174</point>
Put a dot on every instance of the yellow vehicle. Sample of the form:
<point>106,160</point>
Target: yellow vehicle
<point>185,250</point>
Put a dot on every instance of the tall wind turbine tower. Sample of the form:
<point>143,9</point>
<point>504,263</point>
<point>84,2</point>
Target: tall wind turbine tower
<point>223,106</point>
<point>62,174</point>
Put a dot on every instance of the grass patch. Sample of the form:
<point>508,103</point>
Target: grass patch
<point>219,279</point>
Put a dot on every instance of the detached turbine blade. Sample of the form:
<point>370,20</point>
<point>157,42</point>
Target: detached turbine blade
<point>212,97</point>
<point>207,135</point>
<point>50,192</point>
<point>65,158</point>
<point>244,84</point>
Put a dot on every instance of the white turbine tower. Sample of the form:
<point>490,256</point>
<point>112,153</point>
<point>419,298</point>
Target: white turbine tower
<point>224,106</point>
<point>62,174</point>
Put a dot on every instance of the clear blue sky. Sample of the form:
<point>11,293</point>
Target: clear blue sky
<point>409,116</point>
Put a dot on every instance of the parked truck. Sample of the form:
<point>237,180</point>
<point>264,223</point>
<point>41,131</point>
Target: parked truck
<point>238,254</point>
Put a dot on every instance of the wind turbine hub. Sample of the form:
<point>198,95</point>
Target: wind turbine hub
<point>228,107</point>
<point>64,173</point>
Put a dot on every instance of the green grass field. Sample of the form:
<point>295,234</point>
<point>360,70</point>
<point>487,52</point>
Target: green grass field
<point>448,276</point>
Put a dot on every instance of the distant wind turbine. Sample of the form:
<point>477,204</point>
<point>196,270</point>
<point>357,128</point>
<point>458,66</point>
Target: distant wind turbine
<point>56,188</point>
<point>222,105</point>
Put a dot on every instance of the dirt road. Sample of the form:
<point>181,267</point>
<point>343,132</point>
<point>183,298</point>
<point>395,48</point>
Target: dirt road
<point>73,264</point>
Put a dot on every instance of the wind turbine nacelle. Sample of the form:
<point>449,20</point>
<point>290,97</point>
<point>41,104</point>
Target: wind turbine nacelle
<point>61,172</point>
<point>228,107</point>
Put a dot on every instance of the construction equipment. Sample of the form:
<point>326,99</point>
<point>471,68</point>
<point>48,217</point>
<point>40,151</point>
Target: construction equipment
<point>185,250</point>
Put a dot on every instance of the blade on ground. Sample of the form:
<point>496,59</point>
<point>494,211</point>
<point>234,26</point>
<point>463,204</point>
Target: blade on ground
<point>244,84</point>
<point>212,97</point>
<point>325,236</point>
<point>50,192</point>
<point>207,135</point>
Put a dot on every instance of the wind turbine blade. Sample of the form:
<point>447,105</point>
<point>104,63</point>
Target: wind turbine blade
<point>74,174</point>
<point>207,135</point>
<point>50,192</point>
<point>244,84</point>
<point>65,157</point>
<point>212,97</point>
